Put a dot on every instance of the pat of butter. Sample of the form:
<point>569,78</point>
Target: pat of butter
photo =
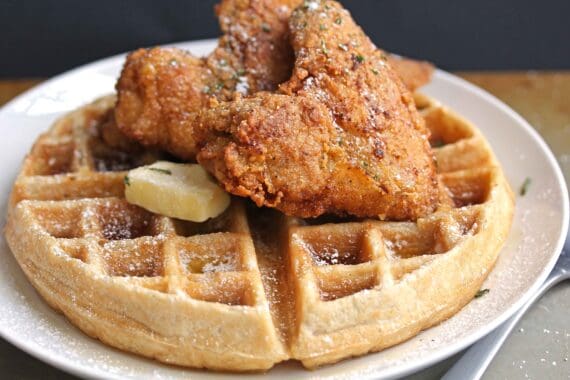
<point>183,191</point>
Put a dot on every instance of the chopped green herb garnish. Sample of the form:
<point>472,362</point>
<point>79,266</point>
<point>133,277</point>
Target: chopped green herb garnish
<point>223,62</point>
<point>322,27</point>
<point>217,87</point>
<point>173,62</point>
<point>240,72</point>
<point>159,170</point>
<point>360,58</point>
<point>266,28</point>
<point>324,48</point>
<point>127,180</point>
<point>338,21</point>
<point>481,293</point>
<point>384,57</point>
<point>525,186</point>
<point>374,71</point>
<point>364,164</point>
<point>343,47</point>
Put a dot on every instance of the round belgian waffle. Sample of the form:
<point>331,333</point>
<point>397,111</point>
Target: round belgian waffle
<point>251,287</point>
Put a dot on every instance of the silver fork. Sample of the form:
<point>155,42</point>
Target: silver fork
<point>475,361</point>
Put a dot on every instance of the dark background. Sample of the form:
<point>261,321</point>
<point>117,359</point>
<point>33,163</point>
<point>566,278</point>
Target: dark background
<point>43,38</point>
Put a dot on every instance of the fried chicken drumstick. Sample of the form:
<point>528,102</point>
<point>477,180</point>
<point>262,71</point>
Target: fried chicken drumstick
<point>341,136</point>
<point>159,87</point>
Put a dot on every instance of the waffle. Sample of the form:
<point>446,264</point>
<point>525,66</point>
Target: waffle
<point>252,287</point>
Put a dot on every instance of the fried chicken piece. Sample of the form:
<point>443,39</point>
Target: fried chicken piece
<point>341,136</point>
<point>155,89</point>
<point>256,43</point>
<point>160,87</point>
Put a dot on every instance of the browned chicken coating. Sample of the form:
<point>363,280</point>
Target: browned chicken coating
<point>160,87</point>
<point>341,136</point>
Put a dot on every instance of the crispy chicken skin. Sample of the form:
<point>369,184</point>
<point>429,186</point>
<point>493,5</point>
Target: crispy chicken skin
<point>256,43</point>
<point>341,136</point>
<point>160,87</point>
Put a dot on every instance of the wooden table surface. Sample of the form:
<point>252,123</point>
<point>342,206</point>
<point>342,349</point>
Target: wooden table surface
<point>542,98</point>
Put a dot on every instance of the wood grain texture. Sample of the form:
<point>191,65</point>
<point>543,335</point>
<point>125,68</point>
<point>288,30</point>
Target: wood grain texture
<point>9,89</point>
<point>542,98</point>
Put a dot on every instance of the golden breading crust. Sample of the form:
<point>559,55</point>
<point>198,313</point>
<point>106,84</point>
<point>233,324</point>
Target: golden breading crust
<point>159,87</point>
<point>341,136</point>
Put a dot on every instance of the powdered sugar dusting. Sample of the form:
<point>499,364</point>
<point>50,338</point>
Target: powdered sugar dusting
<point>242,85</point>
<point>216,262</point>
<point>27,320</point>
<point>312,5</point>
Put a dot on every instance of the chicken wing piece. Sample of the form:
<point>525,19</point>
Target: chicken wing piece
<point>258,34</point>
<point>158,87</point>
<point>341,136</point>
<point>255,42</point>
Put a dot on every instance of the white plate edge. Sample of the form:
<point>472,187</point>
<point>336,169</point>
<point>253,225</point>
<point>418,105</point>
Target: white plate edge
<point>84,370</point>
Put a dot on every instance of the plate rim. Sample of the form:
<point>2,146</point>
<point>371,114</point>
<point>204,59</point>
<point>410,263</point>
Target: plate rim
<point>430,360</point>
<point>80,369</point>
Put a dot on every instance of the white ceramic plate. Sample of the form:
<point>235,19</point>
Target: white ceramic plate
<point>540,225</point>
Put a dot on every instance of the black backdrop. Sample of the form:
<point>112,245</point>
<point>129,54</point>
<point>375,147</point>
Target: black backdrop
<point>45,37</point>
